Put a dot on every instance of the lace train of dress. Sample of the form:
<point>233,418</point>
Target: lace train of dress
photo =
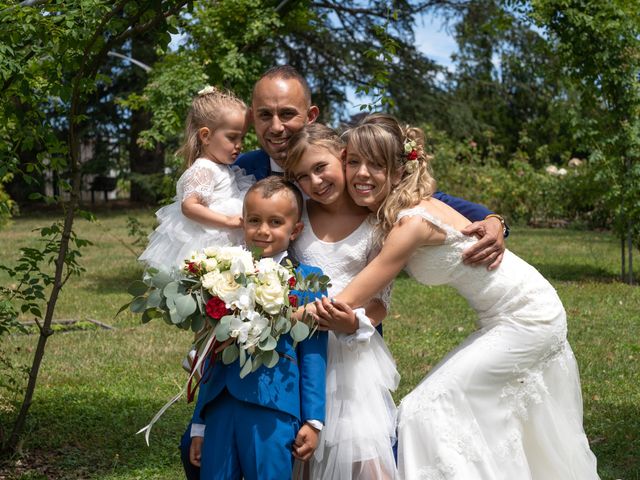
<point>506,403</point>
<point>222,189</point>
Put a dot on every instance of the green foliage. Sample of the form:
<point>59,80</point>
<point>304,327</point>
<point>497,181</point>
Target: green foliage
<point>8,207</point>
<point>520,192</point>
<point>599,43</point>
<point>52,53</point>
<point>31,276</point>
<point>507,88</point>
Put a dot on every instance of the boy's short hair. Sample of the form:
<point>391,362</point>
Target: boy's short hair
<point>269,186</point>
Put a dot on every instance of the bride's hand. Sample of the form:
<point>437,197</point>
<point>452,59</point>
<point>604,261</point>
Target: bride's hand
<point>335,315</point>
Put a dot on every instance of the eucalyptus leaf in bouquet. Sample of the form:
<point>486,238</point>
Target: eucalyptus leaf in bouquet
<point>227,295</point>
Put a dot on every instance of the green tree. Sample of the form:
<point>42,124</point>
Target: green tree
<point>599,43</point>
<point>52,52</point>
<point>506,92</point>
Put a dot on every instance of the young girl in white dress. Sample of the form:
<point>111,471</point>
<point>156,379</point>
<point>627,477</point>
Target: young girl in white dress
<point>506,403</point>
<point>359,430</point>
<point>207,210</point>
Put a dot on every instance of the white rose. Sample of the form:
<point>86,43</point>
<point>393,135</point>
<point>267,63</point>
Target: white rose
<point>211,251</point>
<point>226,254</point>
<point>209,279</point>
<point>222,285</point>
<point>196,257</point>
<point>210,264</point>
<point>270,293</point>
<point>267,266</point>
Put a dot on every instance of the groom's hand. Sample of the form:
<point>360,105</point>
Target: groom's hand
<point>335,315</point>
<point>489,249</point>
<point>306,442</point>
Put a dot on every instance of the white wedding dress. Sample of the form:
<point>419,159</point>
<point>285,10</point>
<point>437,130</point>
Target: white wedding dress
<point>360,425</point>
<point>219,187</point>
<point>506,403</point>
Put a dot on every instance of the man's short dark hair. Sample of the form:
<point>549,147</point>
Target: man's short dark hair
<point>269,186</point>
<point>287,72</point>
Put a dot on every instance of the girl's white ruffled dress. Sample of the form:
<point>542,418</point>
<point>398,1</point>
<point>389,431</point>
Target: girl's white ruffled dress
<point>506,403</point>
<point>222,189</point>
<point>360,425</point>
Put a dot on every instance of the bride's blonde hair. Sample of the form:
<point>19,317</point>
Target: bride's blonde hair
<point>400,150</point>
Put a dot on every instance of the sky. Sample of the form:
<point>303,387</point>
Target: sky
<point>432,39</point>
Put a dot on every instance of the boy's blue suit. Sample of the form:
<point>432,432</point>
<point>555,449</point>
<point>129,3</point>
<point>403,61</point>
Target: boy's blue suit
<point>270,403</point>
<point>257,163</point>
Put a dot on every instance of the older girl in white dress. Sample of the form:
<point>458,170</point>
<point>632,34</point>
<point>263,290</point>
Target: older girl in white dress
<point>359,431</point>
<point>505,404</point>
<point>207,210</point>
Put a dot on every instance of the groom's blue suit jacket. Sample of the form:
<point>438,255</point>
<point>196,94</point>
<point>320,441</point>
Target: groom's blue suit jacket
<point>296,385</point>
<point>257,163</point>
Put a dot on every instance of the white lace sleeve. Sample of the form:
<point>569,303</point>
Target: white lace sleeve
<point>198,180</point>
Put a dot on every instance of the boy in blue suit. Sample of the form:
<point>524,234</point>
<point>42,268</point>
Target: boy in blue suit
<point>255,426</point>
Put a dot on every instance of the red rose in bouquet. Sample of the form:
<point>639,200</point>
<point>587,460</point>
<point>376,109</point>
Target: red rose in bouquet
<point>193,268</point>
<point>293,301</point>
<point>216,308</point>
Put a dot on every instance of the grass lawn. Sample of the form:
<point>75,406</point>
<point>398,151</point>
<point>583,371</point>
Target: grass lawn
<point>98,387</point>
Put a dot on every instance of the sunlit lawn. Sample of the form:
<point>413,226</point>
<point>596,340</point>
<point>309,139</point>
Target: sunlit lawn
<point>98,387</point>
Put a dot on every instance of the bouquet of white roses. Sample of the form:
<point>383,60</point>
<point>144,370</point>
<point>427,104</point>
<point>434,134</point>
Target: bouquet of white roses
<point>233,301</point>
<point>227,294</point>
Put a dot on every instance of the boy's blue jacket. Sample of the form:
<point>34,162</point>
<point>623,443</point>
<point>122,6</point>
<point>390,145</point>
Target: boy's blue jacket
<point>296,385</point>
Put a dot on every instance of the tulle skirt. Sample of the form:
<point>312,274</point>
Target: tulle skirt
<point>504,405</point>
<point>360,426</point>
<point>177,236</point>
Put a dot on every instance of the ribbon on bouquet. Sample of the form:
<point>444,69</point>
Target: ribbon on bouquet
<point>198,364</point>
<point>200,375</point>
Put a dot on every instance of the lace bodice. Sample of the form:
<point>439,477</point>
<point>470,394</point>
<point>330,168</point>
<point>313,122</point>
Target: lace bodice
<point>513,290</point>
<point>211,182</point>
<point>341,260</point>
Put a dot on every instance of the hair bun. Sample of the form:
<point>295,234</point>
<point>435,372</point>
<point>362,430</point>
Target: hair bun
<point>209,89</point>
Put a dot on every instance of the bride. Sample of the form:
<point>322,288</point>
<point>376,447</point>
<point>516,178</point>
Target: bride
<point>506,403</point>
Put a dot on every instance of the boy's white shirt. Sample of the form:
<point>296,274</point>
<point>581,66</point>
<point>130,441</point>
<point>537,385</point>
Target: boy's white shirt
<point>197,429</point>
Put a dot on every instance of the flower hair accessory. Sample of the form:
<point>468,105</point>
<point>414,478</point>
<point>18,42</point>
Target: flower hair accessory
<point>411,153</point>
<point>207,90</point>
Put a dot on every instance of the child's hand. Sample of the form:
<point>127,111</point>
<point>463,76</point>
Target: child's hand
<point>195,451</point>
<point>306,442</point>
<point>234,222</point>
<point>335,315</point>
